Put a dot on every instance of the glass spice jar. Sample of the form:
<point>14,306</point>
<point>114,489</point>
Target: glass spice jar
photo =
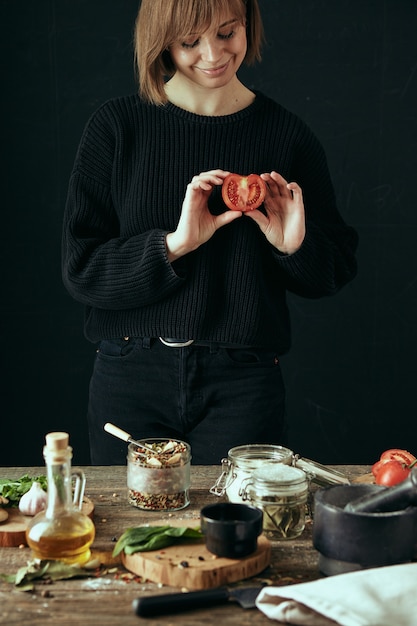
<point>281,492</point>
<point>242,462</point>
<point>158,474</point>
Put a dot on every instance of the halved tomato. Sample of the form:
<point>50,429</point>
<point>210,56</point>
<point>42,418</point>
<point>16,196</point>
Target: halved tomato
<point>391,473</point>
<point>394,466</point>
<point>393,454</point>
<point>243,193</point>
<point>398,455</point>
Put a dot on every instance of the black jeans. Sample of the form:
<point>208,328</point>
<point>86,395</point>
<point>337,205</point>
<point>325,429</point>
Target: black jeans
<point>212,397</point>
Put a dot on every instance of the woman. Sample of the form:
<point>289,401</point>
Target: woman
<point>185,298</point>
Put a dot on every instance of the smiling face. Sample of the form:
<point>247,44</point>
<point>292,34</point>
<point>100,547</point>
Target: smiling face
<point>163,26</point>
<point>211,58</point>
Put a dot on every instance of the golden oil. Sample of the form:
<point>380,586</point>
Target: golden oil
<point>61,532</point>
<point>67,538</point>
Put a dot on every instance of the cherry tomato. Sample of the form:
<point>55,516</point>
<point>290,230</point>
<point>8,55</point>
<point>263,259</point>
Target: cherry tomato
<point>391,473</point>
<point>243,193</point>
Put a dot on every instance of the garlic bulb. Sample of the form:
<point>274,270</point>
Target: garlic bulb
<point>34,500</point>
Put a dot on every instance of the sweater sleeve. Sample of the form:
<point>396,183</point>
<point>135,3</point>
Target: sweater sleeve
<point>326,260</point>
<point>100,267</point>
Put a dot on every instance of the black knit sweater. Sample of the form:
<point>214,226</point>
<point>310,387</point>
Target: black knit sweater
<point>126,191</point>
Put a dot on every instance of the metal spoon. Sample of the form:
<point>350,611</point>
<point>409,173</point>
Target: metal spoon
<point>124,436</point>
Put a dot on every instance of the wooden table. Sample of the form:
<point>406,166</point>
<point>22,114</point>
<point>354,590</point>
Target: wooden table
<point>107,600</point>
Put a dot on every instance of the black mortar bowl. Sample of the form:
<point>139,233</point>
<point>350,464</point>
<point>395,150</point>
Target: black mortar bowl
<point>349,541</point>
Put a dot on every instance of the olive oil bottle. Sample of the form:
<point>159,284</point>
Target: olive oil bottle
<point>62,531</point>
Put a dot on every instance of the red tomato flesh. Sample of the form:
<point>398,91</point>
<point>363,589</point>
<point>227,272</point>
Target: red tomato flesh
<point>398,455</point>
<point>243,193</point>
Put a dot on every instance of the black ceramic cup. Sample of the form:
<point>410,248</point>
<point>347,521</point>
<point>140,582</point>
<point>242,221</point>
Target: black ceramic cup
<point>231,529</point>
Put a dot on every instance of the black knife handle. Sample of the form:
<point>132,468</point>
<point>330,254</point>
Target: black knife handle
<point>148,606</point>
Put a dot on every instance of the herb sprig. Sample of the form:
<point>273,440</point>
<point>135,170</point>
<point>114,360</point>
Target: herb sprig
<point>145,538</point>
<point>13,490</point>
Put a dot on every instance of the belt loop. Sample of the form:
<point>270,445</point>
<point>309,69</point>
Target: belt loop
<point>214,348</point>
<point>146,343</point>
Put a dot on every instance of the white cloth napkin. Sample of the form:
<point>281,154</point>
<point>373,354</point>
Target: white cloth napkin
<point>384,596</point>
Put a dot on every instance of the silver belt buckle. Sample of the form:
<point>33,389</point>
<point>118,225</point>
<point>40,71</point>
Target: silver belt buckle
<point>176,344</point>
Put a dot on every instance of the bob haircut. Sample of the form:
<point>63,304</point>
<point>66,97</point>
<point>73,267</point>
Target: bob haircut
<point>160,23</point>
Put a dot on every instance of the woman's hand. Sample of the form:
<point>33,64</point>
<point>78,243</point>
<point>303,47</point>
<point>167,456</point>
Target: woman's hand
<point>284,222</point>
<point>196,224</point>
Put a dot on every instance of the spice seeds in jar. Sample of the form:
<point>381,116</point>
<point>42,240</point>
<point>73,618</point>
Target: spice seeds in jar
<point>158,479</point>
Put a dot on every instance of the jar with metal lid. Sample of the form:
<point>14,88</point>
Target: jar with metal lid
<point>240,464</point>
<point>158,474</point>
<point>243,461</point>
<point>281,492</point>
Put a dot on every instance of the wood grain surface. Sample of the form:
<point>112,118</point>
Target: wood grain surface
<point>194,567</point>
<point>106,599</point>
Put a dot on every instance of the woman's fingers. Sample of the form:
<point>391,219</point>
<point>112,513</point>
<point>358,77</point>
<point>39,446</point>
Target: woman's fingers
<point>206,180</point>
<point>296,191</point>
<point>277,184</point>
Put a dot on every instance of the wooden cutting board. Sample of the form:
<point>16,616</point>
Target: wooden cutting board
<point>194,567</point>
<point>13,529</point>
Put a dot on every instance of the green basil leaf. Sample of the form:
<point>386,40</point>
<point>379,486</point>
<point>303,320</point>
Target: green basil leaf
<point>137,536</point>
<point>146,538</point>
<point>156,542</point>
<point>182,531</point>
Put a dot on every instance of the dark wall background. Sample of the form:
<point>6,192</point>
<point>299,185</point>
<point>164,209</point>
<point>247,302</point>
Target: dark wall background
<point>349,68</point>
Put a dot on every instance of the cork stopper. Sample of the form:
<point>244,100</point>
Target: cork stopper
<point>57,449</point>
<point>57,441</point>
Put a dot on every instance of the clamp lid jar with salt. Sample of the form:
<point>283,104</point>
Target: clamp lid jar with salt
<point>240,464</point>
<point>62,531</point>
<point>243,461</point>
<point>281,492</point>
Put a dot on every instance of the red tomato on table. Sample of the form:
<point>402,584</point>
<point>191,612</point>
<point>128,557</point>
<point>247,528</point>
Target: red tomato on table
<point>243,193</point>
<point>391,473</point>
<point>393,467</point>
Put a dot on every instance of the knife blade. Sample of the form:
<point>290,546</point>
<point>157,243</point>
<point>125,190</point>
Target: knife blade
<point>163,604</point>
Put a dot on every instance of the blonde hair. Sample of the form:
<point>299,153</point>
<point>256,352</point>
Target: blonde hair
<point>160,23</point>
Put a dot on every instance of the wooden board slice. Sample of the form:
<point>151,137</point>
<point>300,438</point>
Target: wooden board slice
<point>366,479</point>
<point>13,530</point>
<point>194,567</point>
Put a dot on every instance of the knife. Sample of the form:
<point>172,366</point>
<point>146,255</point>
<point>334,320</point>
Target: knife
<point>164,604</point>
